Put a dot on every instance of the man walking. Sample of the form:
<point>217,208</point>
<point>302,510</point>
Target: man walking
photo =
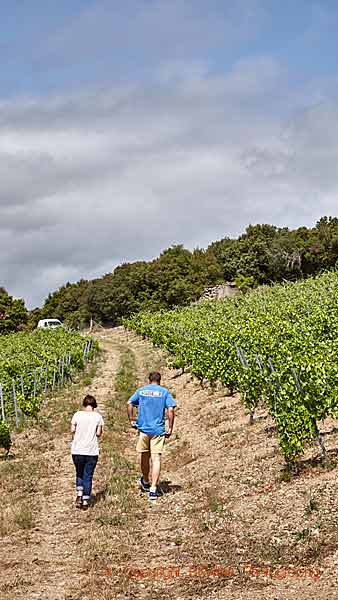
<point>152,400</point>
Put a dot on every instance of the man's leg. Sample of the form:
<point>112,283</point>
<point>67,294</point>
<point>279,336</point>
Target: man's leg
<point>143,448</point>
<point>156,449</point>
<point>155,471</point>
<point>145,466</point>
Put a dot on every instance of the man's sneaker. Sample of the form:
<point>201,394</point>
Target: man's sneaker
<point>78,502</point>
<point>154,495</point>
<point>144,486</point>
<point>85,505</point>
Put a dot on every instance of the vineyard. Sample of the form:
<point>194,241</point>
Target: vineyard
<point>277,346</point>
<point>31,364</point>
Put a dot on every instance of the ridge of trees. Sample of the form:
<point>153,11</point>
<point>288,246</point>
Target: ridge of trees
<point>264,254</point>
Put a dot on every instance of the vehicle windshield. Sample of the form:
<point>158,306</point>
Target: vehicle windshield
<point>54,323</point>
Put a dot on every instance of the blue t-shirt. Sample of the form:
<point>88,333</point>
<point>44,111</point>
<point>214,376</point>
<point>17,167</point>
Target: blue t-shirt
<point>152,400</point>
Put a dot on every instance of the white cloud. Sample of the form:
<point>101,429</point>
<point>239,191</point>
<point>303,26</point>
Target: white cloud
<point>92,179</point>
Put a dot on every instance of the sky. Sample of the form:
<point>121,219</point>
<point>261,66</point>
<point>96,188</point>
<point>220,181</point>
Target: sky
<point>127,127</point>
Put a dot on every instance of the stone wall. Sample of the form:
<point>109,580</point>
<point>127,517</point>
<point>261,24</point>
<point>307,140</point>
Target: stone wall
<point>218,292</point>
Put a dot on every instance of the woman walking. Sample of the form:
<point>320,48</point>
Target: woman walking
<point>87,427</point>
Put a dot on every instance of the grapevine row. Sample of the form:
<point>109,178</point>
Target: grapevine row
<point>277,346</point>
<point>31,364</point>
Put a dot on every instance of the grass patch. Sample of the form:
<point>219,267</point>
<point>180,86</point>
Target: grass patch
<point>24,517</point>
<point>311,506</point>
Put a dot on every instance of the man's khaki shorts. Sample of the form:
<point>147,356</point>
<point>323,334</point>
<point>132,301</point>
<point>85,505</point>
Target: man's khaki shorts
<point>150,443</point>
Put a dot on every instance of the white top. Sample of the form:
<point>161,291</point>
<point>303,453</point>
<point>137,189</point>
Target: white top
<point>85,440</point>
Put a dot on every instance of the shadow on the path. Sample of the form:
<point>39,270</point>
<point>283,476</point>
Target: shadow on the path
<point>99,496</point>
<point>167,487</point>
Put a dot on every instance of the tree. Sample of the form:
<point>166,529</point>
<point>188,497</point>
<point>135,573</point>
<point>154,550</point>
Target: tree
<point>13,314</point>
<point>263,254</point>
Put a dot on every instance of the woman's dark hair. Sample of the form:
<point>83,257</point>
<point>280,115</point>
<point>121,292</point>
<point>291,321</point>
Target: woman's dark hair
<point>89,401</point>
<point>155,377</point>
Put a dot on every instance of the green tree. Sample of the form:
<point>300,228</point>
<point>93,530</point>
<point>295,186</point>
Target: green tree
<point>13,314</point>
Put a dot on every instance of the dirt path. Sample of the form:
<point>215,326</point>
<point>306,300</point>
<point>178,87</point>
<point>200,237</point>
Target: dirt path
<point>47,561</point>
<point>230,525</point>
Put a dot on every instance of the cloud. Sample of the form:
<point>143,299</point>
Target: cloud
<point>89,180</point>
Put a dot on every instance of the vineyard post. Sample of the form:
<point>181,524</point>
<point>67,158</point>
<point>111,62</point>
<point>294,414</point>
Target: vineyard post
<point>68,365</point>
<point>40,383</point>
<point>59,372</point>
<point>34,385</point>
<point>245,365</point>
<point>46,382</point>
<point>54,377</point>
<point>2,404</point>
<point>15,405</point>
<point>62,370</point>
<point>321,442</point>
<point>276,382</point>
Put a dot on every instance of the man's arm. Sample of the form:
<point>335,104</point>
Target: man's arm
<point>171,419</point>
<point>133,401</point>
<point>130,411</point>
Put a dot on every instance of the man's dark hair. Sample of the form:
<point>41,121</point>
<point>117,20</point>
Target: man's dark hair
<point>89,401</point>
<point>155,377</point>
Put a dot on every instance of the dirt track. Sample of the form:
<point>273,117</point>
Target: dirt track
<point>46,557</point>
<point>225,510</point>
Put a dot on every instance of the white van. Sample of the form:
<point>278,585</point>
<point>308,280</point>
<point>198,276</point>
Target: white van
<point>51,323</point>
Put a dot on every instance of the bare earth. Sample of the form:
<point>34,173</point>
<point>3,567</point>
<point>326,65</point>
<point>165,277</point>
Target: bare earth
<point>230,524</point>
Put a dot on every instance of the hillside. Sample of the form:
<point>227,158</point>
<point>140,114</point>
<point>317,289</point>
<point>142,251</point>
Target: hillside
<point>262,255</point>
<point>276,346</point>
<point>230,524</point>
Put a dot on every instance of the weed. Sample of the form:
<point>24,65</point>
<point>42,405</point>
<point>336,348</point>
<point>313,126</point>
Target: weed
<point>302,535</point>
<point>24,518</point>
<point>311,506</point>
<point>214,501</point>
<point>285,475</point>
<point>115,520</point>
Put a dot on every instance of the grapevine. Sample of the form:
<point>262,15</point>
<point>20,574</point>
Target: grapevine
<point>277,346</point>
<point>33,363</point>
